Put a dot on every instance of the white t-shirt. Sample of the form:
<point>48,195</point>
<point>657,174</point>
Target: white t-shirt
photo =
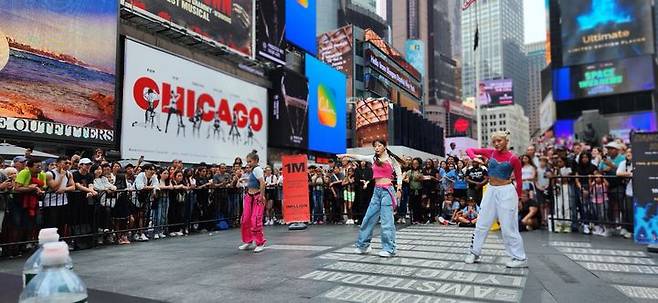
<point>258,172</point>
<point>527,171</point>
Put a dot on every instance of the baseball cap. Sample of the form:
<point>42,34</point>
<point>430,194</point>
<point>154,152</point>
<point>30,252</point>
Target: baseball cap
<point>85,161</point>
<point>19,159</point>
<point>613,144</point>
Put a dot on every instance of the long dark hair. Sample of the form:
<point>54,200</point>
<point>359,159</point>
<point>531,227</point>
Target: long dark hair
<point>378,162</point>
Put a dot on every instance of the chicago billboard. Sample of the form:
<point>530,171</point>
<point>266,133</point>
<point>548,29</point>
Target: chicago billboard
<point>58,67</point>
<point>600,30</point>
<point>210,116</point>
<point>227,22</point>
<point>604,78</point>
<point>326,106</point>
<point>288,107</point>
<point>496,92</point>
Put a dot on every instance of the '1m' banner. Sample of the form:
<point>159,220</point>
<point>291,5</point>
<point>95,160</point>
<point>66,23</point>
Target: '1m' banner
<point>295,189</point>
<point>645,187</point>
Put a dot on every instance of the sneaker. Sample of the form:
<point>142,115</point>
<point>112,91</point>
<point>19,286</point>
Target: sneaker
<point>156,236</point>
<point>143,238</point>
<point>404,221</point>
<point>598,230</point>
<point>517,263</point>
<point>162,236</point>
<point>173,234</point>
<point>385,254</point>
<point>625,233</point>
<point>136,237</point>
<point>259,248</point>
<point>320,222</point>
<point>471,258</point>
<point>606,232</point>
<point>99,241</point>
<point>443,221</point>
<point>586,229</point>
<point>452,223</point>
<point>180,233</point>
<point>246,246</point>
<point>363,251</point>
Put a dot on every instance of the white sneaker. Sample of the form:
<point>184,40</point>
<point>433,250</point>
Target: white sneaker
<point>259,248</point>
<point>246,246</point>
<point>517,263</point>
<point>143,238</point>
<point>586,229</point>
<point>606,232</point>
<point>625,233</point>
<point>156,236</point>
<point>598,231</point>
<point>363,251</point>
<point>404,221</point>
<point>471,258</point>
<point>442,220</point>
<point>173,234</point>
<point>180,233</point>
<point>162,235</point>
<point>385,254</point>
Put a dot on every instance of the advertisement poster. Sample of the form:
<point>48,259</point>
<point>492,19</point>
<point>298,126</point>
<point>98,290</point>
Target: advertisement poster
<point>496,92</point>
<point>288,123</point>
<point>58,69</point>
<point>336,49</point>
<point>301,24</point>
<point>326,106</point>
<point>600,30</point>
<point>604,78</point>
<point>391,52</point>
<point>393,73</point>
<point>460,125</point>
<point>227,22</point>
<point>270,30</point>
<point>371,121</point>
<point>414,51</point>
<point>295,189</point>
<point>177,109</point>
<point>645,187</point>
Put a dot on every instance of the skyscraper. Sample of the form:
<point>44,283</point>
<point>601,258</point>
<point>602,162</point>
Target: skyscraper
<point>501,48</point>
<point>536,56</point>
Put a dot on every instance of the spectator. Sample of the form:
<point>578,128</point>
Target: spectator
<point>125,181</point>
<point>177,204</point>
<point>146,184</point>
<point>349,184</point>
<point>205,209</point>
<point>31,183</point>
<point>625,170</point>
<point>318,186</point>
<point>336,203</point>
<point>469,215</point>
<point>75,162</point>
<point>28,152</point>
<point>270,195</point>
<point>584,170</point>
<point>19,163</point>
<point>531,152</point>
<point>563,196</point>
<point>430,192</point>
<point>608,167</point>
<point>190,214</point>
<point>279,200</point>
<point>448,209</point>
<point>364,190</point>
<point>528,173</point>
<point>598,191</point>
<point>476,177</point>
<point>453,152</point>
<point>99,156</point>
<point>415,178</point>
<point>460,184</point>
<point>597,156</point>
<point>542,186</point>
<point>529,216</point>
<point>55,202</point>
<point>160,212</point>
<point>102,185</point>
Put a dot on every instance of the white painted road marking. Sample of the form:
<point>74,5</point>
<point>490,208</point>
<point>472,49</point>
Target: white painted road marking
<point>638,292</point>
<point>611,259</point>
<point>365,295</point>
<point>610,252</point>
<point>299,247</point>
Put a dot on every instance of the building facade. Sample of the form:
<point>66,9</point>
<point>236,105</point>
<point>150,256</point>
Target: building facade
<point>536,56</point>
<point>500,47</point>
<point>511,118</point>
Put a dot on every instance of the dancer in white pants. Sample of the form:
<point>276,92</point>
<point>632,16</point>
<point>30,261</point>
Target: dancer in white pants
<point>500,201</point>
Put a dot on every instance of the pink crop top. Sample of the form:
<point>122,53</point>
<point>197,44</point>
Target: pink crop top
<point>384,171</point>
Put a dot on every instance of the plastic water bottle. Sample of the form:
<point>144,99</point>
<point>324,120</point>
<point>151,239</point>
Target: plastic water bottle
<point>55,283</point>
<point>33,263</point>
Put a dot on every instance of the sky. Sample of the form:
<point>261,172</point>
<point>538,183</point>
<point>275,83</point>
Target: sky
<point>534,20</point>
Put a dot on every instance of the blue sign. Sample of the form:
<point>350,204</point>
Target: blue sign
<point>414,52</point>
<point>326,107</point>
<point>301,24</point>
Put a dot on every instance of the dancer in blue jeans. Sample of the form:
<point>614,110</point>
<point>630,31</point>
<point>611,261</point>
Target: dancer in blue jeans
<point>383,202</point>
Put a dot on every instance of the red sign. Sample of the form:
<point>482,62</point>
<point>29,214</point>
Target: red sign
<point>295,189</point>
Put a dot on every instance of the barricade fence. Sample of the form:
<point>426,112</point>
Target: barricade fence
<point>596,200</point>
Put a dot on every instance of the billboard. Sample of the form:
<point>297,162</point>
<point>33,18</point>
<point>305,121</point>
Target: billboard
<point>393,73</point>
<point>58,68</point>
<point>496,92</point>
<point>604,78</point>
<point>270,30</point>
<point>177,109</point>
<point>414,51</point>
<point>383,46</point>
<point>288,108</point>
<point>600,30</point>
<point>326,106</point>
<point>460,126</point>
<point>227,22</point>
<point>645,187</point>
<point>301,24</point>
<point>621,126</point>
<point>371,121</point>
<point>336,48</point>
<point>461,144</point>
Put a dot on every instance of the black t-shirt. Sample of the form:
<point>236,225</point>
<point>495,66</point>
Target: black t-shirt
<point>84,180</point>
<point>429,184</point>
<point>476,174</point>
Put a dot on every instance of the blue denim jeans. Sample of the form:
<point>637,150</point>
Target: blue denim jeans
<point>159,214</point>
<point>380,206</point>
<point>318,205</point>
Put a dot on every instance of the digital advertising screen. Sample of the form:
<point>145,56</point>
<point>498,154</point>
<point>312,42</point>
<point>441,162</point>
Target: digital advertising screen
<point>394,73</point>
<point>371,121</point>
<point>645,193</point>
<point>459,125</point>
<point>301,24</point>
<point>58,69</point>
<point>227,22</point>
<point>206,113</point>
<point>270,30</point>
<point>336,48</point>
<point>604,78</point>
<point>495,92</point>
<point>288,107</point>
<point>326,106</point>
<point>621,126</point>
<point>414,53</point>
<point>601,30</point>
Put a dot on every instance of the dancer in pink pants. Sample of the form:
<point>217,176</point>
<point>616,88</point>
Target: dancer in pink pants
<point>254,206</point>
